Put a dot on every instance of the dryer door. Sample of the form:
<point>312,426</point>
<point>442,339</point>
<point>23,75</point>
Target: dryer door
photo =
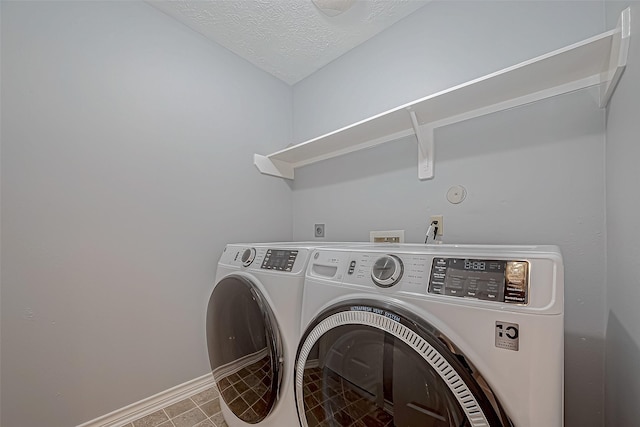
<point>245,348</point>
<point>366,363</point>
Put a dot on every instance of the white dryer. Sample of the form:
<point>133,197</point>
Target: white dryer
<point>253,321</point>
<point>432,336</point>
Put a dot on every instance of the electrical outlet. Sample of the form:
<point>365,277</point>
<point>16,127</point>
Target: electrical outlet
<point>440,220</point>
<point>318,230</point>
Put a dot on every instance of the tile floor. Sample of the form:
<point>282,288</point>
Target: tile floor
<point>199,410</point>
<point>347,408</point>
<point>249,390</point>
<point>331,401</point>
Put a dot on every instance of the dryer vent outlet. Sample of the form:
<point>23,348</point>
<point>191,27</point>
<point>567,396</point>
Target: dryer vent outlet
<point>318,230</point>
<point>391,236</point>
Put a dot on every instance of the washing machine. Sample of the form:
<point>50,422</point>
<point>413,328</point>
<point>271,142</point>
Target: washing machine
<point>432,336</point>
<point>253,320</point>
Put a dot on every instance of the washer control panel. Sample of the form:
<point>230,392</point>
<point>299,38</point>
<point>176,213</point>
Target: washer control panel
<point>504,281</point>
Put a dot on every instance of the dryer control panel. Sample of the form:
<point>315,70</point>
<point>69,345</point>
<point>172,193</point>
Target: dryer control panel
<point>279,259</point>
<point>504,281</point>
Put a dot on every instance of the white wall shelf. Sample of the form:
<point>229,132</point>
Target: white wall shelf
<point>599,60</point>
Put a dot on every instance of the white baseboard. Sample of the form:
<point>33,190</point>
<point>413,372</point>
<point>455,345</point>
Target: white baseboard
<point>120,417</point>
<point>238,364</point>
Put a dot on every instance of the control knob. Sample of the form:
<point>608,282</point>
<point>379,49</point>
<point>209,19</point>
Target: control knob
<point>387,271</point>
<point>248,256</point>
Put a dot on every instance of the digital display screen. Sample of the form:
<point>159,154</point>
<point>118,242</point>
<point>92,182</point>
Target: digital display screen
<point>279,259</point>
<point>475,265</point>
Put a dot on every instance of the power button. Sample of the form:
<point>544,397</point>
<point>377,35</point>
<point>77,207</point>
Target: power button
<point>352,267</point>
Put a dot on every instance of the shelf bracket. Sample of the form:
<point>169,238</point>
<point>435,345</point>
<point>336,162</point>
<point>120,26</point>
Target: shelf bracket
<point>273,167</point>
<point>618,59</point>
<point>424,135</point>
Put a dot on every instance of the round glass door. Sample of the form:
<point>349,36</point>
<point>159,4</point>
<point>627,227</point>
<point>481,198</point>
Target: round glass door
<point>245,349</point>
<point>368,365</point>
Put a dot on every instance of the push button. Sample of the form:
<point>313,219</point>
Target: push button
<point>352,267</point>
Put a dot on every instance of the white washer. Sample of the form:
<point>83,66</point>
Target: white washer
<point>253,321</point>
<point>432,335</point>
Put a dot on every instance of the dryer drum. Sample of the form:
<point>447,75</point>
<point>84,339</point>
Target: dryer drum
<point>245,348</point>
<point>371,363</point>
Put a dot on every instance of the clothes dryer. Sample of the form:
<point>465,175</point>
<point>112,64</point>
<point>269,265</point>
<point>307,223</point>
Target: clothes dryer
<point>253,320</point>
<point>432,335</point>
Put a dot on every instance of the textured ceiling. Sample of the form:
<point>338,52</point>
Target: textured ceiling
<point>287,38</point>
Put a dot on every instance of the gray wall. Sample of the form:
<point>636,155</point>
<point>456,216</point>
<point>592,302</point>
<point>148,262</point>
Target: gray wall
<point>534,174</point>
<point>127,144</point>
<point>623,237</point>
<point>0,220</point>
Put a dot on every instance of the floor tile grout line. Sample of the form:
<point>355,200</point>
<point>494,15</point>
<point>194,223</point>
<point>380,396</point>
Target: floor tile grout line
<point>218,396</point>
<point>204,403</point>
<point>194,402</point>
<point>203,413</point>
<point>168,417</point>
<point>177,415</point>
<point>191,409</point>
<point>196,405</point>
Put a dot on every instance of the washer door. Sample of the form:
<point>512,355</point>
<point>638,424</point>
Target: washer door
<point>366,363</point>
<point>245,348</point>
